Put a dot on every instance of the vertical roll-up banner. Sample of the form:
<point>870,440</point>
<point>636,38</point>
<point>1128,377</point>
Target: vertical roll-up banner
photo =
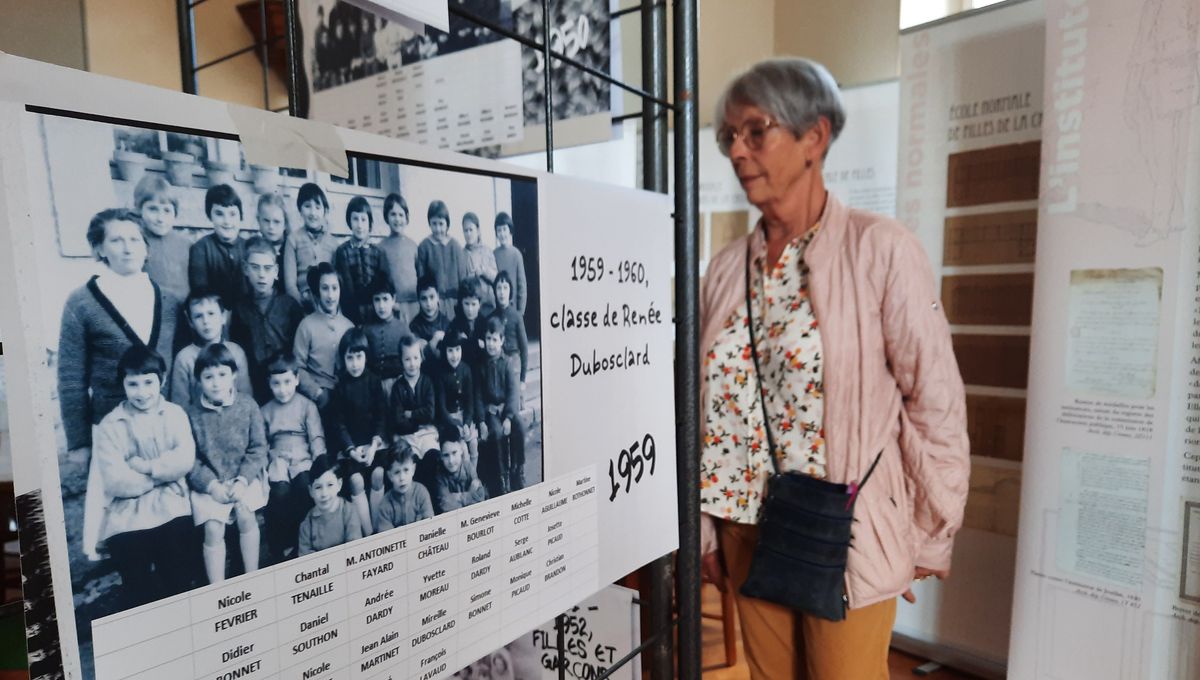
<point>970,125</point>
<point>1108,563</point>
<point>861,167</point>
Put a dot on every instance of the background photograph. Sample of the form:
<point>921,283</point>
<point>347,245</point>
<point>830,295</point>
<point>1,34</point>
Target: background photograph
<point>349,43</point>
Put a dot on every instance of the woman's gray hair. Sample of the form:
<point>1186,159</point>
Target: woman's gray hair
<point>792,90</point>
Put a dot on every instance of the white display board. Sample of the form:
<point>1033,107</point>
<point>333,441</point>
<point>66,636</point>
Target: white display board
<point>970,124</point>
<point>464,87</point>
<point>419,600</point>
<point>1106,584</point>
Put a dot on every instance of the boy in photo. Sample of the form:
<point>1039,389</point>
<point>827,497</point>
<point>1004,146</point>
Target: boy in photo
<point>408,500</point>
<point>331,521</point>
<point>263,323</point>
<point>457,403</point>
<point>309,246</point>
<point>431,324</point>
<point>318,335</point>
<point>227,481</point>
<point>516,342</point>
<point>358,413</point>
<point>206,316</point>
<point>215,261</point>
<point>503,428</point>
<point>441,257</point>
<point>456,485</point>
<point>144,450</point>
<point>384,333</point>
<point>296,437</point>
<point>401,253</point>
<point>167,248</point>
<point>510,261</point>
<point>360,265</point>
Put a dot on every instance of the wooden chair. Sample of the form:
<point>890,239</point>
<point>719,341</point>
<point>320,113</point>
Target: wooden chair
<point>727,617</point>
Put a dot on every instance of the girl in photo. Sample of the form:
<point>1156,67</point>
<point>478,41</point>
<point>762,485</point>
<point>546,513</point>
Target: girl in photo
<point>229,477</point>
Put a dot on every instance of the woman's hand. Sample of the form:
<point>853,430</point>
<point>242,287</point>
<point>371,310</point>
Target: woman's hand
<point>920,574</point>
<point>712,569</point>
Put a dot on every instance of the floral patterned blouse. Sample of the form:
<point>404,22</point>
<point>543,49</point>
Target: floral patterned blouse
<point>734,460</point>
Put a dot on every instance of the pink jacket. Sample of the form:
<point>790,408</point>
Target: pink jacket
<point>891,384</point>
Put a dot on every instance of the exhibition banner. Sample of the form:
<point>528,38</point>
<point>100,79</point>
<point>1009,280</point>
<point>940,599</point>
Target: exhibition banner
<point>861,166</point>
<point>1106,581</point>
<point>970,124</point>
<point>465,87</point>
<point>259,431</point>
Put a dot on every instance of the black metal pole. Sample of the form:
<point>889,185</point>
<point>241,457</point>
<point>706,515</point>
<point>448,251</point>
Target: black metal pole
<point>292,22</point>
<point>654,81</point>
<point>187,45</point>
<point>548,84</point>
<point>687,334</point>
<point>560,628</point>
<point>654,178</point>
<point>263,33</point>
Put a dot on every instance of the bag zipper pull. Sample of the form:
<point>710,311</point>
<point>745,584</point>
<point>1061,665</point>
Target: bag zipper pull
<point>852,493</point>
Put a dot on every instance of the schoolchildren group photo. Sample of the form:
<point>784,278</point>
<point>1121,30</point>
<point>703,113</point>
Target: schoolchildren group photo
<point>270,390</point>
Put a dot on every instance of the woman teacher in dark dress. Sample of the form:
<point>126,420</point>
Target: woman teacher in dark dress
<point>115,310</point>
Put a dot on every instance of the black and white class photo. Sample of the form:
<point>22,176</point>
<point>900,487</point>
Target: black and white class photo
<point>348,43</point>
<point>256,363</point>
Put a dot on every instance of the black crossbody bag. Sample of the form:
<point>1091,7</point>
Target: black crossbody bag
<point>805,530</point>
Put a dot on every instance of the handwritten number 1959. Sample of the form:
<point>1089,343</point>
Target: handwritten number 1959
<point>586,268</point>
<point>631,464</point>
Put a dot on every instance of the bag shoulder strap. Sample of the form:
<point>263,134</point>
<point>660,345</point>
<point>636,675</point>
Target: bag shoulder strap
<point>757,370</point>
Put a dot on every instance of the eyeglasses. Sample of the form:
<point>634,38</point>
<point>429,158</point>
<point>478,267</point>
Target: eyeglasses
<point>752,133</point>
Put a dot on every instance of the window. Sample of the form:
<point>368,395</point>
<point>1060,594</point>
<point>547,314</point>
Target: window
<point>917,12</point>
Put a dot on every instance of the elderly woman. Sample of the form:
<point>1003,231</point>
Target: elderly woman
<point>115,310</point>
<point>856,366</point>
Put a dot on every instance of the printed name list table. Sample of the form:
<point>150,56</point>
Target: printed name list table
<point>415,602</point>
<point>448,102</point>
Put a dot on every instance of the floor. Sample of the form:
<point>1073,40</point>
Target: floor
<point>900,665</point>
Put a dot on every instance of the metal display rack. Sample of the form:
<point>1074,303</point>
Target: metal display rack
<point>673,603</point>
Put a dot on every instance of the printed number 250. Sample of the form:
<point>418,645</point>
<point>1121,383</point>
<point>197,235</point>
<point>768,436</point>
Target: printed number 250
<point>630,465</point>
